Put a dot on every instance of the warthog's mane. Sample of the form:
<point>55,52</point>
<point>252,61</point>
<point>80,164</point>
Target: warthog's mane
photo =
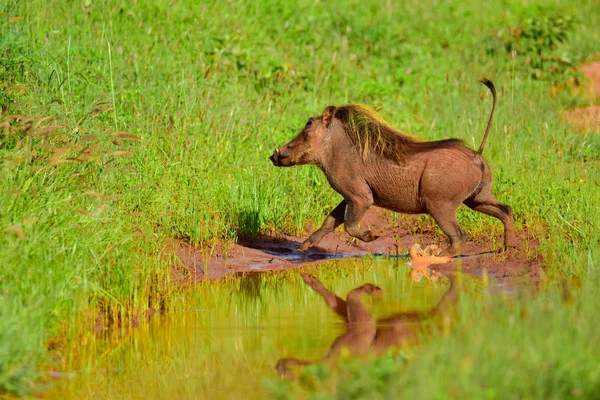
<point>371,133</point>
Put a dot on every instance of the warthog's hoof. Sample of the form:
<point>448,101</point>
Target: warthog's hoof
<point>369,237</point>
<point>304,246</point>
<point>512,245</point>
<point>450,251</point>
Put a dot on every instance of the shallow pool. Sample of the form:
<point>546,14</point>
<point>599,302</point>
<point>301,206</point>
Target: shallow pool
<point>223,338</point>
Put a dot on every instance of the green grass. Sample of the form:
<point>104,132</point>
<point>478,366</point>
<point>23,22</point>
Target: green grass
<point>210,89</point>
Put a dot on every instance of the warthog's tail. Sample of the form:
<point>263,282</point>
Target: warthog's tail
<point>490,86</point>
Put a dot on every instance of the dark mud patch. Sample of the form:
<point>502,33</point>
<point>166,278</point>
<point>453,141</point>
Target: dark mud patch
<point>270,252</point>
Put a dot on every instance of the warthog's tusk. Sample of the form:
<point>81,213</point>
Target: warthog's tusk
<point>277,151</point>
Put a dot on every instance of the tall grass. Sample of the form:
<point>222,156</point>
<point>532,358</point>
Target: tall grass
<point>209,89</point>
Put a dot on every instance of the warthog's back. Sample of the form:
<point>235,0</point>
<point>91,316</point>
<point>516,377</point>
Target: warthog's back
<point>451,172</point>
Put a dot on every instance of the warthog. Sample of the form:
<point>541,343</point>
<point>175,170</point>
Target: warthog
<point>370,163</point>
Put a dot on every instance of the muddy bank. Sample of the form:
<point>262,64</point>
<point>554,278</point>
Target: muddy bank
<point>584,118</point>
<point>587,118</point>
<point>278,252</point>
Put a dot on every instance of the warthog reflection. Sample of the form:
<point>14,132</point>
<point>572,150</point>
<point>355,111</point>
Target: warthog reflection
<point>364,333</point>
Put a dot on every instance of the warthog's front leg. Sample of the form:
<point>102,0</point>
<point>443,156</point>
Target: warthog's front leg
<point>333,220</point>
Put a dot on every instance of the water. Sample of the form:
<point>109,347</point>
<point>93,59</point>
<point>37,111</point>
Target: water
<point>225,337</point>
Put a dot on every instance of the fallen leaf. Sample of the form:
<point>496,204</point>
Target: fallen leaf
<point>88,138</point>
<point>17,230</point>
<point>29,221</point>
<point>95,194</point>
<point>15,88</point>
<point>87,214</point>
<point>126,136</point>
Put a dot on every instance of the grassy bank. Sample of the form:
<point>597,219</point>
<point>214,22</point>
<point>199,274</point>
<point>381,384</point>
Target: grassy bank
<point>164,114</point>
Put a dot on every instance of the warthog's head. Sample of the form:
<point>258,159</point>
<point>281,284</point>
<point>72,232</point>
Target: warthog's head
<point>307,147</point>
<point>370,289</point>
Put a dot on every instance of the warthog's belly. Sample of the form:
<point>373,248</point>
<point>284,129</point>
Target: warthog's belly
<point>396,188</point>
<point>401,205</point>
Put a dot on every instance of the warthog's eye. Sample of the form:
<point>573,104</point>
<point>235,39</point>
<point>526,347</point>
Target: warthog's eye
<point>309,123</point>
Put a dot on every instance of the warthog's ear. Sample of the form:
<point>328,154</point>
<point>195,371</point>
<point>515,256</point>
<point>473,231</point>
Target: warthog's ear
<point>328,115</point>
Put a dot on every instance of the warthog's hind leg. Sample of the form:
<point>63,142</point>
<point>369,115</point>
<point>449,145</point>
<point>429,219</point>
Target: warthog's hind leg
<point>445,216</point>
<point>485,202</point>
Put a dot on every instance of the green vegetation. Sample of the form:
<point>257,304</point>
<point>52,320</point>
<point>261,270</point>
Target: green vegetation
<point>162,118</point>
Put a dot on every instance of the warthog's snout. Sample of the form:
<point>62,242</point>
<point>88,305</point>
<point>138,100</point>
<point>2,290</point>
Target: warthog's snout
<point>277,157</point>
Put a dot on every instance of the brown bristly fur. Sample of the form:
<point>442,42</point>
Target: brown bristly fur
<point>369,132</point>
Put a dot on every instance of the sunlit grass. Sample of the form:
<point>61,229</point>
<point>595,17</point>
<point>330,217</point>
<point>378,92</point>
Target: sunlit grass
<point>210,89</point>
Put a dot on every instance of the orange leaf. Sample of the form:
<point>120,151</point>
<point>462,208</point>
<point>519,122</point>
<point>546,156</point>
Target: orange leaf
<point>29,221</point>
<point>95,194</point>
<point>126,136</point>
<point>88,138</point>
<point>17,230</point>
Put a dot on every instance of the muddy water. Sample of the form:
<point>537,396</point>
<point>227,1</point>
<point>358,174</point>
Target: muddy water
<point>225,337</point>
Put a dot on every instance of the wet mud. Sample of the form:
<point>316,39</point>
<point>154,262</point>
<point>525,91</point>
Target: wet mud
<point>480,255</point>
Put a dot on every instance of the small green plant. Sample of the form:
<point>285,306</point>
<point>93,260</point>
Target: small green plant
<point>535,42</point>
<point>12,71</point>
<point>15,59</point>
